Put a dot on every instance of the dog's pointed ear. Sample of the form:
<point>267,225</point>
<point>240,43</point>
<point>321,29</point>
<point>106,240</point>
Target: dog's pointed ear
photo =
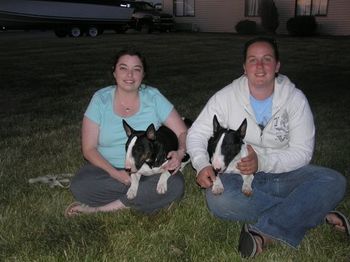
<point>216,125</point>
<point>243,128</point>
<point>151,132</point>
<point>128,129</point>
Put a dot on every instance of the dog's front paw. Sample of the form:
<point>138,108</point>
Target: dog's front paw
<point>247,193</point>
<point>218,187</point>
<point>247,185</point>
<point>162,187</point>
<point>131,194</point>
<point>247,189</point>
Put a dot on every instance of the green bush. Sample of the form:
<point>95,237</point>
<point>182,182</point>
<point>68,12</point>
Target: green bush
<point>302,26</point>
<point>246,27</point>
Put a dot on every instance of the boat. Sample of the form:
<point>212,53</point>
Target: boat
<point>66,17</point>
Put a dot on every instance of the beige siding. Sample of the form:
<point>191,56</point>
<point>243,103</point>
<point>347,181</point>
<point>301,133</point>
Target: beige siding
<point>223,15</point>
<point>212,16</point>
<point>337,21</point>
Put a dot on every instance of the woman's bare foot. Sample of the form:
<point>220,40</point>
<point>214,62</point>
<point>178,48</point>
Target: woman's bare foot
<point>339,221</point>
<point>259,244</point>
<point>262,242</point>
<point>77,208</point>
<point>113,206</point>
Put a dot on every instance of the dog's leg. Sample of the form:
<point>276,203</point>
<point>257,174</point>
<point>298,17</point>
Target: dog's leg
<point>218,187</point>
<point>162,185</point>
<point>132,192</point>
<point>247,184</point>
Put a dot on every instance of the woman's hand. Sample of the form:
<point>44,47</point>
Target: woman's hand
<point>249,164</point>
<point>174,160</point>
<point>206,177</point>
<point>177,125</point>
<point>122,176</point>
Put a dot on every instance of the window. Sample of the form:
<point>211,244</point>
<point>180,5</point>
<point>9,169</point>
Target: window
<point>311,7</point>
<point>184,7</point>
<point>252,7</point>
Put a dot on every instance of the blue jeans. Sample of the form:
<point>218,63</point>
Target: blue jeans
<point>283,206</point>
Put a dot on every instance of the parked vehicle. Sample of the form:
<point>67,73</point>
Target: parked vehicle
<point>66,17</point>
<point>147,18</point>
<point>158,6</point>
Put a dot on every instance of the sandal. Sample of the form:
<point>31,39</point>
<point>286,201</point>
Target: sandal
<point>343,219</point>
<point>247,243</point>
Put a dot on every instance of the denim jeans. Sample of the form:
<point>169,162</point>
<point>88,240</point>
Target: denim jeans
<point>283,206</point>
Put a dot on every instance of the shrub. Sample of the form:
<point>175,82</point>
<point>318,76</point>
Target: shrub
<point>246,27</point>
<point>302,26</point>
<point>269,16</point>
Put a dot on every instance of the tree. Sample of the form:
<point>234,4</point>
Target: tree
<point>269,16</point>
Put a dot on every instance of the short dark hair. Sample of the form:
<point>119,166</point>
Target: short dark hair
<point>271,41</point>
<point>132,52</point>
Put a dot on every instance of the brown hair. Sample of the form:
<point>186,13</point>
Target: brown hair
<point>271,41</point>
<point>132,52</point>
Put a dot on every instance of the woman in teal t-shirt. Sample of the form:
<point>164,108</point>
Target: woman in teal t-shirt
<point>101,184</point>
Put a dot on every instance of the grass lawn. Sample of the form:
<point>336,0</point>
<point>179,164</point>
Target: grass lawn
<point>46,84</point>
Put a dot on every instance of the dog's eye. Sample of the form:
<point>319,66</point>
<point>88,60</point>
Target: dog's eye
<point>138,148</point>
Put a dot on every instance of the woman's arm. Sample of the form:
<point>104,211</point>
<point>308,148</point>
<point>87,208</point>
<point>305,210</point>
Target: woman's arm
<point>177,125</point>
<point>90,133</point>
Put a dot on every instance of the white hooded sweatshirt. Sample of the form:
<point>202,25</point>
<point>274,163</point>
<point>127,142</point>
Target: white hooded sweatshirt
<point>285,144</point>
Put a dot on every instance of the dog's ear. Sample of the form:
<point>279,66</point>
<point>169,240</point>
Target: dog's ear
<point>151,132</point>
<point>243,128</point>
<point>216,125</point>
<point>128,129</point>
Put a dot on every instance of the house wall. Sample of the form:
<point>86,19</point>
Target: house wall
<point>212,15</point>
<point>223,15</point>
<point>337,21</point>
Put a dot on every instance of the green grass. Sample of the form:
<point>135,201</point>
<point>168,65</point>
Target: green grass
<point>45,86</point>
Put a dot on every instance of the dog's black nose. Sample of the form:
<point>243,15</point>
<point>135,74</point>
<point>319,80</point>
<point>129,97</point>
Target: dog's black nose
<point>128,170</point>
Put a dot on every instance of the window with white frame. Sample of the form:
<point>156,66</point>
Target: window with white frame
<point>311,7</point>
<point>252,7</point>
<point>184,7</point>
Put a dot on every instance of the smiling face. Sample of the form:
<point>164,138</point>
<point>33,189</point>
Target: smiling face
<point>261,65</point>
<point>129,72</point>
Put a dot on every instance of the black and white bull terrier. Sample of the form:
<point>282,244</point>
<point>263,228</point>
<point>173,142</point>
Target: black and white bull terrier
<point>146,154</point>
<point>226,147</point>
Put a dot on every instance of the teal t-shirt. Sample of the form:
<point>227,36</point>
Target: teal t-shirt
<point>154,108</point>
<point>262,110</point>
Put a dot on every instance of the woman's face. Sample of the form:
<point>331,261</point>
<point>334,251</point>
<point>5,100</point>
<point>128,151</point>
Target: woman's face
<point>260,65</point>
<point>128,72</point>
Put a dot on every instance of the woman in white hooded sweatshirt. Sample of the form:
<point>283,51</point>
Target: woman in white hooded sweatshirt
<point>290,196</point>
